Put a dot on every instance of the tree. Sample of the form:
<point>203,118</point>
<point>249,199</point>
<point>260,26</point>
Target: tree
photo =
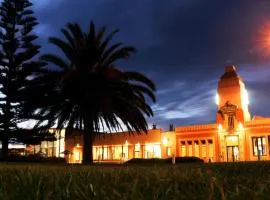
<point>17,52</point>
<point>87,91</point>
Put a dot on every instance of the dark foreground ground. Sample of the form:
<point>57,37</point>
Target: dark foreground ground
<point>249,180</point>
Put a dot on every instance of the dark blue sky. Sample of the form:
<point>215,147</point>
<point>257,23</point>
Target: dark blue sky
<point>183,45</point>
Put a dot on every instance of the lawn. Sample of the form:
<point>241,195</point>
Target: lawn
<point>191,181</point>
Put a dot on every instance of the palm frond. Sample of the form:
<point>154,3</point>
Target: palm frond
<point>55,60</point>
<point>65,47</point>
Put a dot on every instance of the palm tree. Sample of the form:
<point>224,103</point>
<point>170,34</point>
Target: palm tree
<point>87,92</point>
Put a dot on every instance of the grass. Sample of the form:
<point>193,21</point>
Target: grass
<point>250,180</point>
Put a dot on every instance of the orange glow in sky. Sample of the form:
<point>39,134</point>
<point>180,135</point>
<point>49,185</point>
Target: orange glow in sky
<point>263,40</point>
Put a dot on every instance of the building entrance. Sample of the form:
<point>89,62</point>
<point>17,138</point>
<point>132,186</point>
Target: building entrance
<point>232,153</point>
<point>232,148</point>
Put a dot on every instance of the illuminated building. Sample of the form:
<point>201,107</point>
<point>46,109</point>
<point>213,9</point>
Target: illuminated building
<point>234,137</point>
<point>50,148</point>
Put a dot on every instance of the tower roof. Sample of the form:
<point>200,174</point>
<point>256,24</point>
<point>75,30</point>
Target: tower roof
<point>230,71</point>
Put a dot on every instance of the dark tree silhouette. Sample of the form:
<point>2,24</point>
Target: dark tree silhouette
<point>17,65</point>
<point>86,91</point>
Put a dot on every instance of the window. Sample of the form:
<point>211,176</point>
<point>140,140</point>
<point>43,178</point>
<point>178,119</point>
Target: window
<point>137,150</point>
<point>105,153</point>
<point>230,122</point>
<point>197,148</point>
<point>152,150</point>
<point>124,152</point>
<point>183,148</point>
<point>190,148</point>
<point>97,153</point>
<point>168,151</point>
<point>77,156</point>
<point>117,152</point>
<point>258,144</point>
<point>204,150</point>
<point>210,148</point>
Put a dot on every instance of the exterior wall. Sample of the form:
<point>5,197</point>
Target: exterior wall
<point>258,129</point>
<point>124,146</point>
<point>206,141</point>
<point>50,149</point>
<point>197,140</point>
<point>227,139</point>
<point>168,140</point>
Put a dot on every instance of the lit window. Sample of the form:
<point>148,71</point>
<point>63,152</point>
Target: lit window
<point>197,148</point>
<point>190,148</point>
<point>258,144</point>
<point>152,151</point>
<point>183,148</point>
<point>168,149</point>
<point>125,152</point>
<point>137,150</point>
<point>105,153</point>
<point>119,152</point>
<point>77,156</point>
<point>204,150</point>
<point>210,148</point>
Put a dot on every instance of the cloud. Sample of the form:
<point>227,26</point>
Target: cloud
<point>43,30</point>
<point>46,4</point>
<point>188,104</point>
<point>182,45</point>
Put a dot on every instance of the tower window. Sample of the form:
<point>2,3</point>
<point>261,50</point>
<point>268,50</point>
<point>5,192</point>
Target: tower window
<point>230,122</point>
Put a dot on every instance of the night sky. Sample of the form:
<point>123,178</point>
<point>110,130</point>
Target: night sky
<point>183,45</point>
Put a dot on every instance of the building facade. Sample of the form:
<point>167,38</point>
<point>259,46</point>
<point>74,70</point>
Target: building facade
<point>234,137</point>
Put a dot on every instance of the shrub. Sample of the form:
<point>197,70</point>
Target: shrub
<point>33,158</point>
<point>186,159</point>
<point>164,161</point>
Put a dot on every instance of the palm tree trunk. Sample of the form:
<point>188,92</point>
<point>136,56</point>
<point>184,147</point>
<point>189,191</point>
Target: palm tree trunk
<point>88,140</point>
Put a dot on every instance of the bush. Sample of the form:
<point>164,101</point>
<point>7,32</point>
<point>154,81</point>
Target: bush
<point>186,160</point>
<point>33,158</point>
<point>145,161</point>
<point>164,161</point>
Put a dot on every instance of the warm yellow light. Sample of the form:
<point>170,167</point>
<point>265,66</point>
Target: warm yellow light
<point>165,141</point>
<point>240,126</point>
<point>126,143</point>
<point>232,138</point>
<point>77,145</point>
<point>245,98</point>
<point>217,99</point>
<point>220,127</point>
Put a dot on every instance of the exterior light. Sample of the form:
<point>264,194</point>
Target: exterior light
<point>220,127</point>
<point>245,98</point>
<point>126,143</point>
<point>165,141</point>
<point>77,145</point>
<point>240,126</point>
<point>217,99</point>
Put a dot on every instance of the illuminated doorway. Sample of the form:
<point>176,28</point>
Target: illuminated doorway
<point>232,148</point>
<point>232,153</point>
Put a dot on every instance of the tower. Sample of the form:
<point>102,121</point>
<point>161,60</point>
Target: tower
<point>232,103</point>
<point>232,99</point>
